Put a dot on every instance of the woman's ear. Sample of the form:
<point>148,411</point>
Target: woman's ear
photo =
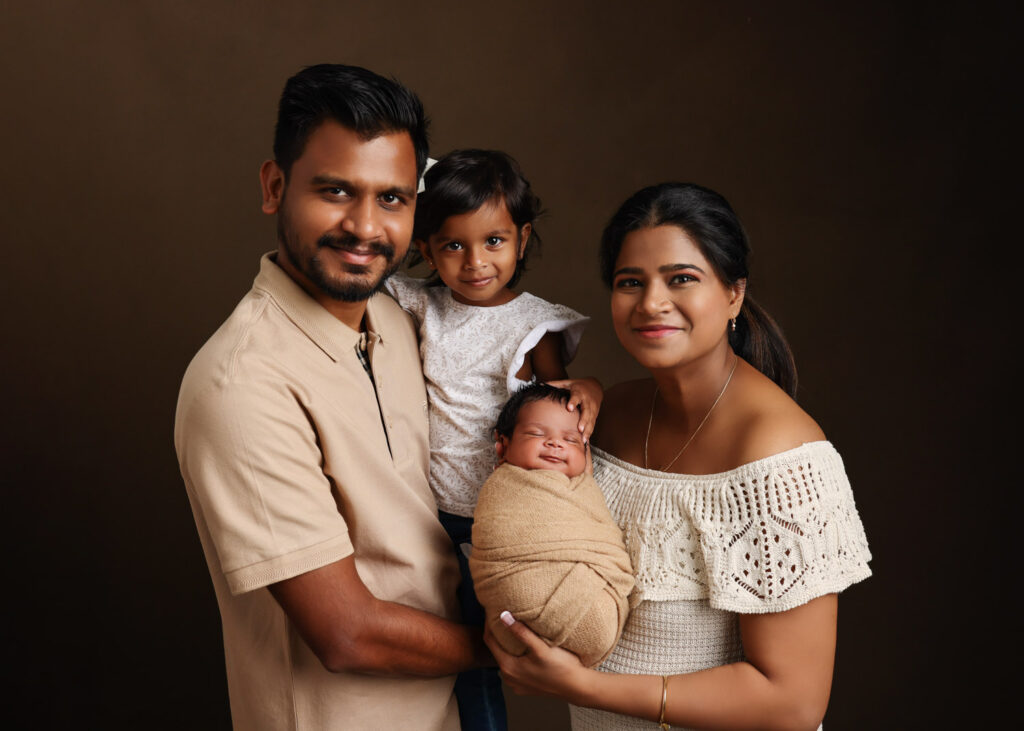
<point>524,236</point>
<point>425,253</point>
<point>272,185</point>
<point>738,291</point>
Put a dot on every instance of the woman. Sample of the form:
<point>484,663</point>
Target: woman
<point>737,513</point>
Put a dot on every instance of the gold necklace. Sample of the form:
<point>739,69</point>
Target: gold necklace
<point>650,421</point>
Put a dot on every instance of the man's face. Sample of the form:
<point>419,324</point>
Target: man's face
<point>345,211</point>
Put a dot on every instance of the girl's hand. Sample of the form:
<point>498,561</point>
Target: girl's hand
<point>586,398</point>
<point>543,670</point>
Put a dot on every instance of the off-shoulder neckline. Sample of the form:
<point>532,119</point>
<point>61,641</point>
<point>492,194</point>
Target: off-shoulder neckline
<point>773,459</point>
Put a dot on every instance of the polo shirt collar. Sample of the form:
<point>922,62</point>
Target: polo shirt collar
<point>329,333</point>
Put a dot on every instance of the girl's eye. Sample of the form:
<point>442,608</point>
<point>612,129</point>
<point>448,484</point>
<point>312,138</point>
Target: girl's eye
<point>452,246</point>
<point>494,241</point>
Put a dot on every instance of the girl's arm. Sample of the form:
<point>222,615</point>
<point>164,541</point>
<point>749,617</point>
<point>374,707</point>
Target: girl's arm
<point>783,684</point>
<point>587,393</point>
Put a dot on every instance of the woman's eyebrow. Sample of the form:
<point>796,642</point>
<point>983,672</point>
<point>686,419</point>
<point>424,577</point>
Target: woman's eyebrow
<point>677,267</point>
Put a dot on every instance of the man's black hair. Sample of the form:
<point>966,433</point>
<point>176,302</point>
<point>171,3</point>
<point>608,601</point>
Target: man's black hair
<point>355,98</point>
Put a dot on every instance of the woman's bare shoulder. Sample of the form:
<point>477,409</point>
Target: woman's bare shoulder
<point>771,422</point>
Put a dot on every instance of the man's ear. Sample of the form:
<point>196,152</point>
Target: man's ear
<point>272,184</point>
<point>524,236</point>
<point>425,252</point>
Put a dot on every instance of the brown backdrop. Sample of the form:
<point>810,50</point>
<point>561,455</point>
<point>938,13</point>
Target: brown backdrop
<point>865,147</point>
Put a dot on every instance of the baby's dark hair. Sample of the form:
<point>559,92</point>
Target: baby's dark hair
<point>461,182</point>
<point>527,395</point>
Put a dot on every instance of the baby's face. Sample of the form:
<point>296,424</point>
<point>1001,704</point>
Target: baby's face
<point>546,437</point>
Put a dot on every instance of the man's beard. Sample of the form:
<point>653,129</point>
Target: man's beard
<point>353,289</point>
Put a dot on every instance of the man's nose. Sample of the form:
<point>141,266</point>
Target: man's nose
<point>362,220</point>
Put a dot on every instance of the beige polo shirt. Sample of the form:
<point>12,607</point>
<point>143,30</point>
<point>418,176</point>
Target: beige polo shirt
<point>290,465</point>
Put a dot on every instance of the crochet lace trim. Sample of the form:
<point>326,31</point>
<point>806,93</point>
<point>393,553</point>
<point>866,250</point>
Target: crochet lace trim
<point>765,537</point>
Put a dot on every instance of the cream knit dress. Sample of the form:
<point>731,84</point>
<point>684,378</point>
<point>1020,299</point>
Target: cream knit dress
<point>765,537</point>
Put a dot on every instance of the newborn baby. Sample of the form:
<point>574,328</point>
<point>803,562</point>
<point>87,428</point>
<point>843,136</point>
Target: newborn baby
<point>545,546</point>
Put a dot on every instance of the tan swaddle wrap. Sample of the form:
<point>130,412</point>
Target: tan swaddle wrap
<point>546,549</point>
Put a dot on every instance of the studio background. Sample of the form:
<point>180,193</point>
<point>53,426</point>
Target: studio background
<point>866,147</point>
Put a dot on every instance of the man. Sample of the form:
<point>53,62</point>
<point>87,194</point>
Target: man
<point>301,431</point>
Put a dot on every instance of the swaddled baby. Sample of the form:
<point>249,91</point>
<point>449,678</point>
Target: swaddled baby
<point>545,546</point>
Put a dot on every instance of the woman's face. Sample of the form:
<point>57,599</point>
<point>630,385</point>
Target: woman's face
<point>669,307</point>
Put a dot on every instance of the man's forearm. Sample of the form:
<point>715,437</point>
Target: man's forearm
<point>393,639</point>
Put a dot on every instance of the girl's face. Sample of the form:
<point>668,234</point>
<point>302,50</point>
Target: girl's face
<point>669,308</point>
<point>476,253</point>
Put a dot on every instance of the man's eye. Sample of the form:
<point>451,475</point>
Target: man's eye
<point>391,199</point>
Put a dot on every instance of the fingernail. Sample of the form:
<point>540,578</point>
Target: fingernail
<point>507,618</point>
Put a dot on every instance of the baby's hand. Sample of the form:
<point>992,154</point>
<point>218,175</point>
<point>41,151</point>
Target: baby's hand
<point>586,398</point>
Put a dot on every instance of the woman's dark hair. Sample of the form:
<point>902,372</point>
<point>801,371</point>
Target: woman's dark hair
<point>355,98</point>
<point>527,395</point>
<point>709,220</point>
<point>464,180</point>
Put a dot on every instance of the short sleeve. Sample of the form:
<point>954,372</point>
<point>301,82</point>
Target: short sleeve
<point>410,293</point>
<point>548,318</point>
<point>251,460</point>
<point>780,532</point>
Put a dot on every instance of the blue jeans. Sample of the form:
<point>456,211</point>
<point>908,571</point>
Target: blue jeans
<point>481,702</point>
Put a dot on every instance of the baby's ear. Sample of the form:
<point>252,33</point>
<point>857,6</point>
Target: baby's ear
<point>500,446</point>
<point>425,252</point>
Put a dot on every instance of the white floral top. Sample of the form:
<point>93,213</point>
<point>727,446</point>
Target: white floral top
<point>470,359</point>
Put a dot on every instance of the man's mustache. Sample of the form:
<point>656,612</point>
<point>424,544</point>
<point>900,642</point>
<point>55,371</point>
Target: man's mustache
<point>351,243</point>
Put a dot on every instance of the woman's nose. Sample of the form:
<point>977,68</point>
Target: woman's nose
<point>653,300</point>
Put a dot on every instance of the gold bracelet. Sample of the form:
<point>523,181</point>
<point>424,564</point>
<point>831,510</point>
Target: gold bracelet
<point>664,699</point>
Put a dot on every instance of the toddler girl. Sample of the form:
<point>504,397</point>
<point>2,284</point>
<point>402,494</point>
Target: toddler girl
<point>480,341</point>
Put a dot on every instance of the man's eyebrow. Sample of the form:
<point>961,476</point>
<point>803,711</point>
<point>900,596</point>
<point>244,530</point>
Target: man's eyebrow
<point>334,181</point>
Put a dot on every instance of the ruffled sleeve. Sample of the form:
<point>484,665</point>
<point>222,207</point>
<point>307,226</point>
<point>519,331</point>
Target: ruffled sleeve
<point>766,537</point>
<point>546,317</point>
<point>409,292</point>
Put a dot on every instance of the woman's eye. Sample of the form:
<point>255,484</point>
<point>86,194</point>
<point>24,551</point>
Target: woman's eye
<point>682,279</point>
<point>626,283</point>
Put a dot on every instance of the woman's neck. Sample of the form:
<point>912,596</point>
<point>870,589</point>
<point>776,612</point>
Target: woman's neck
<point>686,392</point>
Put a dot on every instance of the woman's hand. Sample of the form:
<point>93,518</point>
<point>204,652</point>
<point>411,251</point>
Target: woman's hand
<point>585,399</point>
<point>543,670</point>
